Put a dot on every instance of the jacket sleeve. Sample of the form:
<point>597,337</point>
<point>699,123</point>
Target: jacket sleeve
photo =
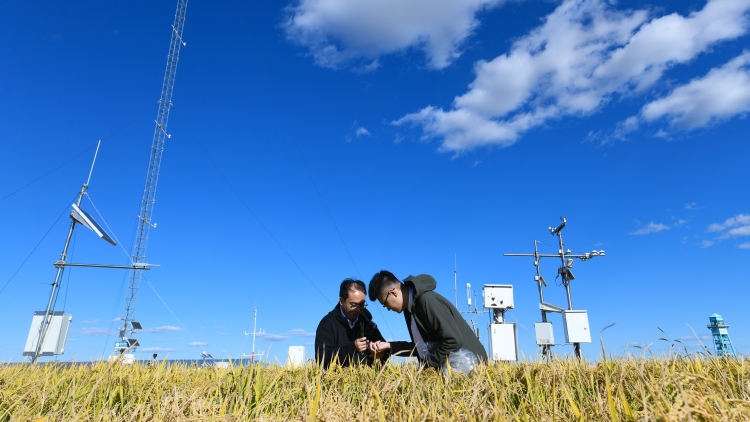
<point>403,348</point>
<point>325,346</point>
<point>439,322</point>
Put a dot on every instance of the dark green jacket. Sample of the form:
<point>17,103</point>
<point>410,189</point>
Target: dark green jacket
<point>438,321</point>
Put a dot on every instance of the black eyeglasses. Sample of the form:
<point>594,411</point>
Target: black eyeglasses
<point>354,306</point>
<point>385,301</point>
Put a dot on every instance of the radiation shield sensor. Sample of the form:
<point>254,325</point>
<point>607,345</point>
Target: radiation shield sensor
<point>56,337</point>
<point>85,219</point>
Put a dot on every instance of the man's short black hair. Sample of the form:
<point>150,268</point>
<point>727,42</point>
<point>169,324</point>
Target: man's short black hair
<point>351,284</point>
<point>379,282</point>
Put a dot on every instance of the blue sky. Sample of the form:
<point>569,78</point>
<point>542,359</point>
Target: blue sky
<point>432,129</point>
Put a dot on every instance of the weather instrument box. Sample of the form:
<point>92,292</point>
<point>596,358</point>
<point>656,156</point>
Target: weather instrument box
<point>576,327</point>
<point>296,356</point>
<point>54,340</point>
<point>544,334</point>
<point>503,344</point>
<point>498,296</point>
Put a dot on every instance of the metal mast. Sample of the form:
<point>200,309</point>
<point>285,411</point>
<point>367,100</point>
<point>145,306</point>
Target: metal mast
<point>48,313</point>
<point>149,192</point>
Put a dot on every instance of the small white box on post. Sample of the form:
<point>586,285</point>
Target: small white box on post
<point>296,356</point>
<point>54,340</point>
<point>503,346</point>
<point>576,327</point>
<point>544,334</point>
<point>498,296</point>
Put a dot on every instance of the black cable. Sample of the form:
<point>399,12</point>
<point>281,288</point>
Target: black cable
<point>248,207</point>
<point>47,39</point>
<point>37,245</point>
<point>294,139</point>
<point>296,145</point>
<point>79,154</point>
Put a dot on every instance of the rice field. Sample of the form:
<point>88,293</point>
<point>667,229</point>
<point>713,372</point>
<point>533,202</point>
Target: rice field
<point>670,388</point>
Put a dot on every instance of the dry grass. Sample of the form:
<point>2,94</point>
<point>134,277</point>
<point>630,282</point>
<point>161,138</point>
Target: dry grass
<point>653,389</point>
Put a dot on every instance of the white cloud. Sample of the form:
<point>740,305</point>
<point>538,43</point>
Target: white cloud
<point>157,349</point>
<point>707,243</point>
<point>721,94</point>
<point>361,131</point>
<point>273,337</point>
<point>94,331</point>
<point>197,343</point>
<point>584,54</point>
<point>651,228</point>
<point>342,32</point>
<point>737,220</point>
<point>299,332</point>
<point>737,226</point>
<point>89,321</point>
<point>694,338</point>
<point>163,329</point>
<point>691,205</point>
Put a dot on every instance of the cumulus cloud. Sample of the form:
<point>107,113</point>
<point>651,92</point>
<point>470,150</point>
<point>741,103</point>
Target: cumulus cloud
<point>651,228</point>
<point>273,337</point>
<point>94,331</point>
<point>584,55</point>
<point>737,226</point>
<point>299,332</point>
<point>719,95</point>
<point>197,343</point>
<point>737,220</point>
<point>745,245</point>
<point>342,32</point>
<point>706,243</point>
<point>157,349</point>
<point>163,329</point>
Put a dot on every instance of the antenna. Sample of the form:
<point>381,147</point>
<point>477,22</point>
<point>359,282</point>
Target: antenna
<point>455,286</point>
<point>575,321</point>
<point>93,162</point>
<point>152,176</point>
<point>254,333</point>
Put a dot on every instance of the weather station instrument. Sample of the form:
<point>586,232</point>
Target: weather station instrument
<point>469,311</point>
<point>49,328</point>
<point>575,321</point>
<point>256,331</point>
<point>503,336</point>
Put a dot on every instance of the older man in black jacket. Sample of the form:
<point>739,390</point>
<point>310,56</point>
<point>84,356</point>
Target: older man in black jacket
<point>430,318</point>
<point>346,333</point>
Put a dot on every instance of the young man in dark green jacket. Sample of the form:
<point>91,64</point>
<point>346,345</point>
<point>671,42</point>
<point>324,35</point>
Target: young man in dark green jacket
<point>430,318</point>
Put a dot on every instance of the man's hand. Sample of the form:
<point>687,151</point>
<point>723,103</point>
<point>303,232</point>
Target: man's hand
<point>379,346</point>
<point>360,344</point>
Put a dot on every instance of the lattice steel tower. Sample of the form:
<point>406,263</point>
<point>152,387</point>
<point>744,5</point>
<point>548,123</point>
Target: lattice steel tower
<point>722,342</point>
<point>149,192</point>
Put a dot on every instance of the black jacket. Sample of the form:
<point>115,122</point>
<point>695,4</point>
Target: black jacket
<point>438,321</point>
<point>334,338</point>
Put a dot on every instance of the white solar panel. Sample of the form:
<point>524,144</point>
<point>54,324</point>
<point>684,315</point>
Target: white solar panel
<point>87,220</point>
